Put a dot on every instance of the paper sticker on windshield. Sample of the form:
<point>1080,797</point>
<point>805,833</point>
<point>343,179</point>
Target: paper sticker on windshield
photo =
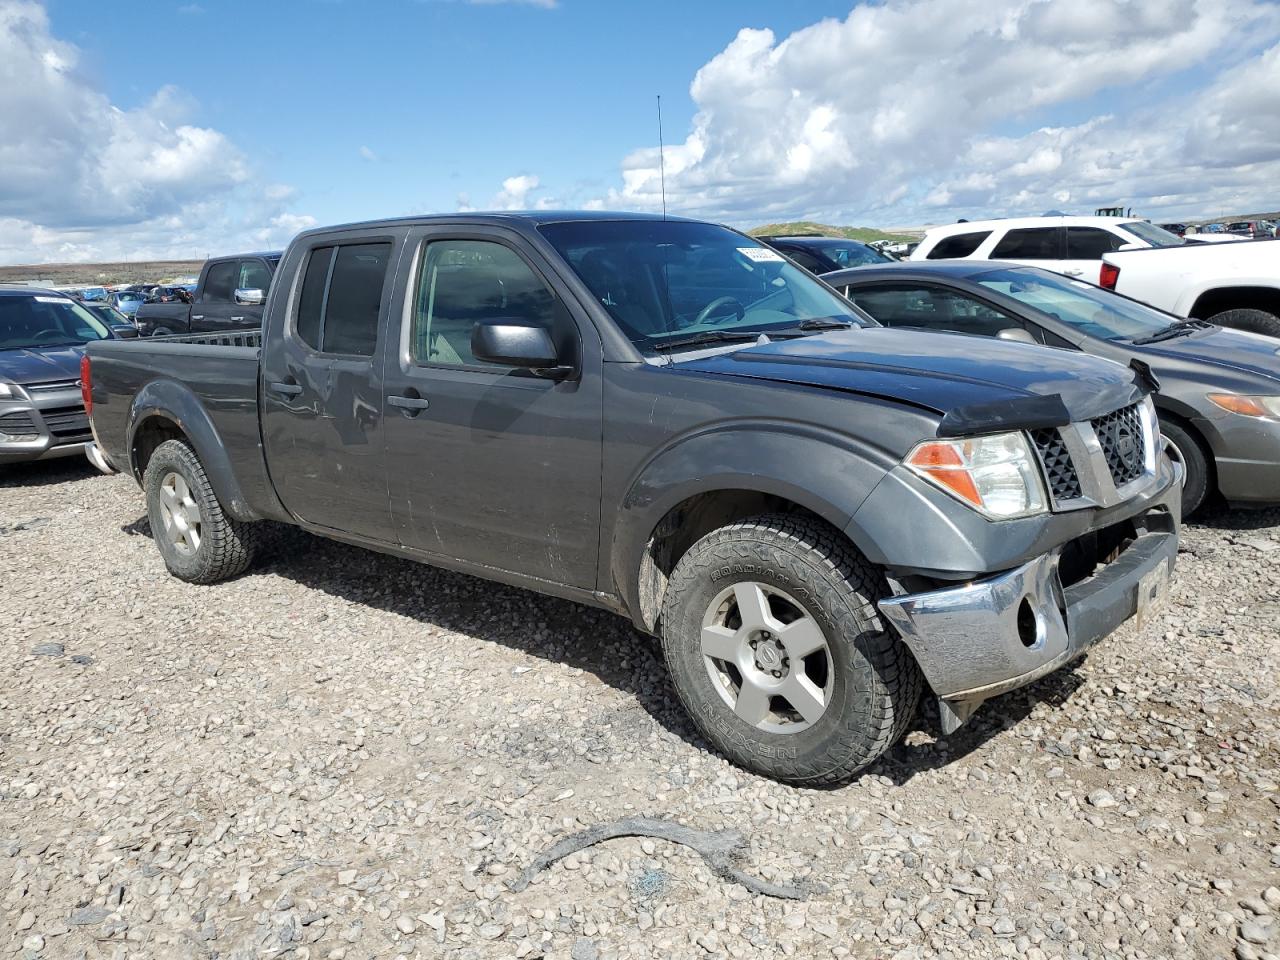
<point>51,299</point>
<point>760,254</point>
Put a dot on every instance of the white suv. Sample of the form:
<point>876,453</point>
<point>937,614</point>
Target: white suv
<point>1070,245</point>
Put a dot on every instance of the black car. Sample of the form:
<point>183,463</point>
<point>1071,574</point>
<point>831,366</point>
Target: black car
<point>821,255</point>
<point>42,335</point>
<point>1219,397</point>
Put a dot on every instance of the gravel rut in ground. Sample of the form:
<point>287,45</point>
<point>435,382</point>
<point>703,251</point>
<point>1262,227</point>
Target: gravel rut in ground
<point>345,755</point>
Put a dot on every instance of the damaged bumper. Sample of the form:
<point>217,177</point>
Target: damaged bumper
<point>992,635</point>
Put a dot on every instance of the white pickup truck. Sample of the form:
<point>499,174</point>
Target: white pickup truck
<point>1230,284</point>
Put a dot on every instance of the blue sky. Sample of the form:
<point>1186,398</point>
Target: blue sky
<point>451,97</point>
<point>158,129</point>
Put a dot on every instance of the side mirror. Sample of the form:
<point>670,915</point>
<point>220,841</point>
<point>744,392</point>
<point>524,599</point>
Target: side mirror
<point>1130,246</point>
<point>514,343</point>
<point>1017,335</point>
<point>251,297</point>
<point>124,331</point>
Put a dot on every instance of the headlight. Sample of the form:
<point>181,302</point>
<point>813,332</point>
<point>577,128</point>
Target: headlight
<point>1268,407</point>
<point>996,475</point>
<point>10,391</point>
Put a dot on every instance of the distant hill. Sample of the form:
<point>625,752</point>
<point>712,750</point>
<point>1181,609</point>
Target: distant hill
<point>90,274</point>
<point>864,234</point>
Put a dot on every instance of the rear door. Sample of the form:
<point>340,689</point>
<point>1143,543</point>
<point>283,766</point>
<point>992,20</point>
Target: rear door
<point>322,413</point>
<point>488,464</point>
<point>1085,247</point>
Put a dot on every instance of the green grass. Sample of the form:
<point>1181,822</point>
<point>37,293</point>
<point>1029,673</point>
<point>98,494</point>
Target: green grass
<point>808,226</point>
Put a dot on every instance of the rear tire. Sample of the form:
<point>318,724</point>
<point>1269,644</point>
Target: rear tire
<point>855,691</point>
<point>1250,321</point>
<point>199,542</point>
<point>1187,450</point>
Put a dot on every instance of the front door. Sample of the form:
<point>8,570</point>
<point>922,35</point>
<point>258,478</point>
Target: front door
<point>488,464</point>
<point>321,388</point>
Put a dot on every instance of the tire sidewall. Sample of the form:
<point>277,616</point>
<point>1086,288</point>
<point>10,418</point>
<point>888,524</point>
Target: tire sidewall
<point>1249,321</point>
<point>176,458</point>
<point>1195,489</point>
<point>749,556</point>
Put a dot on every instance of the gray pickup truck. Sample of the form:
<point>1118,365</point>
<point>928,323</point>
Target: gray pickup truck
<point>229,296</point>
<point>666,418</point>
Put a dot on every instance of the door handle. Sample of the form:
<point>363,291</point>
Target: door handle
<point>409,403</point>
<point>237,319</point>
<point>288,389</point>
<point>1073,273</point>
<point>197,316</point>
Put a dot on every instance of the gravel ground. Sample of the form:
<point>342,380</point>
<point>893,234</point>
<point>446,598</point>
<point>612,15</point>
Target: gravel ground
<point>347,755</point>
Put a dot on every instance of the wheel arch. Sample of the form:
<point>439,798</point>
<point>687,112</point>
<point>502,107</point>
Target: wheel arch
<point>1220,299</point>
<point>167,410</point>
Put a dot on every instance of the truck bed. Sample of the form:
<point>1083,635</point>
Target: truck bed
<point>210,377</point>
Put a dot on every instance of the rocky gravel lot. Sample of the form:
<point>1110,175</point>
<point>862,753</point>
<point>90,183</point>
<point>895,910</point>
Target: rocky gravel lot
<point>346,755</point>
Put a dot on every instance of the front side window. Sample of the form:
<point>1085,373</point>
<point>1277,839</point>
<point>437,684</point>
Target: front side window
<point>254,275</point>
<point>1090,243</point>
<point>665,280</point>
<point>807,260</point>
<point>341,298</point>
<point>957,246</point>
<point>220,282</point>
<point>1089,309</point>
<point>463,282</point>
<point>935,308</point>
<point>1036,243</point>
<point>40,321</point>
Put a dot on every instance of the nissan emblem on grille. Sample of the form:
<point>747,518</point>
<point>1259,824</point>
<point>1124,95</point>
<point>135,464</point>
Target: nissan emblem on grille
<point>1120,435</point>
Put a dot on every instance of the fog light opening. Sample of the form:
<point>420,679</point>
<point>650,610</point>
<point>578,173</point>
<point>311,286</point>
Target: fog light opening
<point>1028,624</point>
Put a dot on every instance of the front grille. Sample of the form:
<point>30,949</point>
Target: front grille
<point>1123,443</point>
<point>18,426</point>
<point>67,424</point>
<point>1064,482</point>
<point>52,386</point>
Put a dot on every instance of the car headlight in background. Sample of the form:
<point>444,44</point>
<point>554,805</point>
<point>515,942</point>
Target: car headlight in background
<point>10,391</point>
<point>997,475</point>
<point>1267,407</point>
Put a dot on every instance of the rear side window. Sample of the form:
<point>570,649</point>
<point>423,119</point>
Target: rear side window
<point>341,298</point>
<point>1036,243</point>
<point>1090,243</point>
<point>806,259</point>
<point>960,245</point>
<point>220,282</point>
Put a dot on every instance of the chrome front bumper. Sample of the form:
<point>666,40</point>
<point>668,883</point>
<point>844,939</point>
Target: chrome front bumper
<point>993,635</point>
<point>98,458</point>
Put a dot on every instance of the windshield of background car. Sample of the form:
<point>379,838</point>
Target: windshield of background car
<point>853,254</point>
<point>1156,236</point>
<point>1089,309</point>
<point>39,321</point>
<point>662,279</point>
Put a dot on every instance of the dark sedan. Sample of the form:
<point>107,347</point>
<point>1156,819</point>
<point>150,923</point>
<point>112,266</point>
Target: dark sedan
<point>42,335</point>
<point>1219,399</point>
<point>821,255</point>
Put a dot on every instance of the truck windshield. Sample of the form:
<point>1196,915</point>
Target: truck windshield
<point>1089,309</point>
<point>665,280</point>
<point>40,321</point>
<point>1149,232</point>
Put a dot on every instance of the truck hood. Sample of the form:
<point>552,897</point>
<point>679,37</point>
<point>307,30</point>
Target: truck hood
<point>40,364</point>
<point>1231,349</point>
<point>950,374</point>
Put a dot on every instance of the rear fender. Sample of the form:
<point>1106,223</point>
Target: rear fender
<point>826,473</point>
<point>172,401</point>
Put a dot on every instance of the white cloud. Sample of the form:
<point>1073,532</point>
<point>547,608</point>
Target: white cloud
<point>514,194</point>
<point>367,154</point>
<point>937,108</point>
<point>81,178</point>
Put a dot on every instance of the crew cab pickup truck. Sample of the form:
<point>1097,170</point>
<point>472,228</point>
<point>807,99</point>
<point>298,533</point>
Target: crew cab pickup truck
<point>1231,284</point>
<point>229,295</point>
<point>668,419</point>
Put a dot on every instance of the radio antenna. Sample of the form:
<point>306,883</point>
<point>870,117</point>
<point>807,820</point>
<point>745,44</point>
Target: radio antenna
<point>662,164</point>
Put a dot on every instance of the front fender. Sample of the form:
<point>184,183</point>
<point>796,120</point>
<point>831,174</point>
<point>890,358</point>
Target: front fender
<point>827,473</point>
<point>174,402</point>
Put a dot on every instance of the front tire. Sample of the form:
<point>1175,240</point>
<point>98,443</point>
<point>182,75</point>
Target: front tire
<point>1250,321</point>
<point>199,542</point>
<point>778,653</point>
<point>1186,450</point>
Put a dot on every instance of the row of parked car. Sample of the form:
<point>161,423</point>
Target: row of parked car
<point>823,495</point>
